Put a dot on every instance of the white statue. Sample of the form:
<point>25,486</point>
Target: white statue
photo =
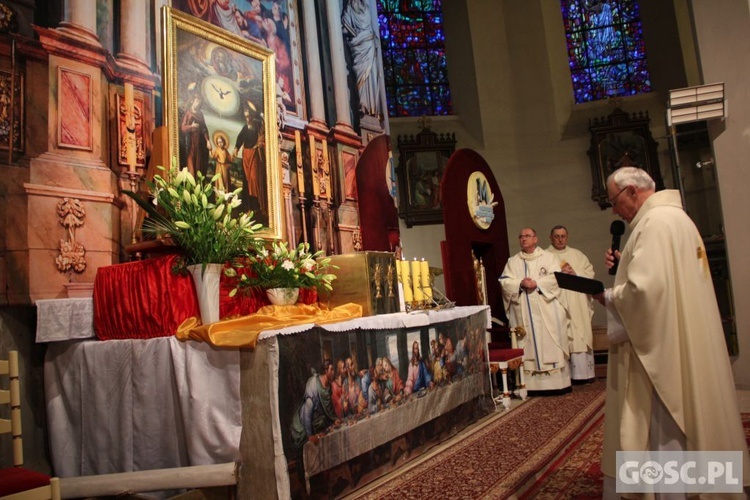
<point>364,44</point>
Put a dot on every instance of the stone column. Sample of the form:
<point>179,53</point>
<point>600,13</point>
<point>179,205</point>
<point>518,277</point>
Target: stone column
<point>132,40</point>
<point>79,20</point>
<point>338,61</point>
<point>314,80</point>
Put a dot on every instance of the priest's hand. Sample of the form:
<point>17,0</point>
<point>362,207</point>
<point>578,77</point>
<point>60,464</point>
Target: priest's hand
<point>528,285</point>
<point>567,269</point>
<point>609,258</point>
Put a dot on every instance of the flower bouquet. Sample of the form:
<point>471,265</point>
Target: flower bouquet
<point>282,267</point>
<point>198,218</point>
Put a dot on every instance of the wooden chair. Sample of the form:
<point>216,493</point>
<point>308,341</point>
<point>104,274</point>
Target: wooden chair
<point>18,483</point>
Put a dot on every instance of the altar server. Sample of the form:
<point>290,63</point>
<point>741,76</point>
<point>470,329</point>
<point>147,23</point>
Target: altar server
<point>532,300</point>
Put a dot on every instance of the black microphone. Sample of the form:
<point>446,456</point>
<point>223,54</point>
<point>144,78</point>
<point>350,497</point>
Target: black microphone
<point>616,229</point>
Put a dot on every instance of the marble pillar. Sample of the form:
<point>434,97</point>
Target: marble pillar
<point>134,54</point>
<point>314,71</point>
<point>79,21</point>
<point>338,62</point>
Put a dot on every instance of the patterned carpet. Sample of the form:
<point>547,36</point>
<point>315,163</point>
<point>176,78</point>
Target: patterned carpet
<point>577,474</point>
<point>495,460</point>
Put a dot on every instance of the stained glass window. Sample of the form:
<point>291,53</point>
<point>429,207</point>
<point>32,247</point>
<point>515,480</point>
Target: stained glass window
<point>413,42</point>
<point>606,52</point>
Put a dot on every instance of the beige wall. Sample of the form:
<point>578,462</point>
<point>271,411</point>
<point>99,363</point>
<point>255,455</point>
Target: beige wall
<point>722,33</point>
<point>524,123</point>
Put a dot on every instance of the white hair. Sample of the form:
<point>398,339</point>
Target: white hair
<point>631,176</point>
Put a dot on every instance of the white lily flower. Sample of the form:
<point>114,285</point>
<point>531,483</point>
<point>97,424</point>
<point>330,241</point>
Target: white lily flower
<point>181,176</point>
<point>155,201</point>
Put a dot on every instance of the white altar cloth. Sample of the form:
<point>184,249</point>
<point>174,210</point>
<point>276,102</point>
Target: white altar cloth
<point>129,405</point>
<point>386,321</point>
<point>64,319</point>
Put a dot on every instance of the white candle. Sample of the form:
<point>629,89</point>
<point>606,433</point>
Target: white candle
<point>314,164</point>
<point>406,280</point>
<point>129,127</point>
<point>416,277</point>
<point>325,169</point>
<point>426,288</point>
<point>300,171</point>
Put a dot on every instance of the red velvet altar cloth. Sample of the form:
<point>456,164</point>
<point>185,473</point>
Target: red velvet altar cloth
<point>146,299</point>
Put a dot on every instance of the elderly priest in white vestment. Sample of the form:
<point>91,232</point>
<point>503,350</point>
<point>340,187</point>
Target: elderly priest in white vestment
<point>669,382</point>
<point>532,300</point>
<point>580,305</point>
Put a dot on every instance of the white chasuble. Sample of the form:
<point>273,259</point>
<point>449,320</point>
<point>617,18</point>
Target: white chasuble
<point>543,317</point>
<point>675,344</point>
<point>581,309</point>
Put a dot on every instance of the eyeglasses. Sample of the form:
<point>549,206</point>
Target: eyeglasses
<point>613,201</point>
<point>522,236</point>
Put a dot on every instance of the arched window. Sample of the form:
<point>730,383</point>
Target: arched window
<point>605,48</point>
<point>416,76</point>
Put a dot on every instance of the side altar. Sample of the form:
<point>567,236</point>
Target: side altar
<point>308,402</point>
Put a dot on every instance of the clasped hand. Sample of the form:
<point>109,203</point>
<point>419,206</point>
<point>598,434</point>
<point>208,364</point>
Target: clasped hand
<point>528,285</point>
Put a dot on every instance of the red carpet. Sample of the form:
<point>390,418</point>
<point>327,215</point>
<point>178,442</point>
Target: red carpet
<point>577,475</point>
<point>498,459</point>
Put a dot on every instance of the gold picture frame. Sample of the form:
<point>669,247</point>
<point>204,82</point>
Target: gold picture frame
<point>221,87</point>
<point>284,40</point>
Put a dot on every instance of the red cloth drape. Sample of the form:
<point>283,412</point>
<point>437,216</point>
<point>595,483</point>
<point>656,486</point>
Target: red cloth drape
<point>146,299</point>
<point>142,299</point>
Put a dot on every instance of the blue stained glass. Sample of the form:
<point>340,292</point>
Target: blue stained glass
<point>415,69</point>
<point>606,52</point>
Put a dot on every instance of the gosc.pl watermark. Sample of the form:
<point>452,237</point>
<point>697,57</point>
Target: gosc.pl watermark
<point>679,471</point>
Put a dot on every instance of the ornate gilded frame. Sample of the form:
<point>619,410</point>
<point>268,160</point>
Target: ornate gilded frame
<point>618,140</point>
<point>421,164</point>
<point>12,111</point>
<point>288,66</point>
<point>190,68</point>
